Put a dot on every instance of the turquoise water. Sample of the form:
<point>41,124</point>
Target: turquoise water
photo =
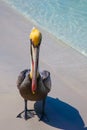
<point>65,19</point>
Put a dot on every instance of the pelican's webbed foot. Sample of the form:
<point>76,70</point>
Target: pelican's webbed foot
<point>27,113</point>
<point>44,117</point>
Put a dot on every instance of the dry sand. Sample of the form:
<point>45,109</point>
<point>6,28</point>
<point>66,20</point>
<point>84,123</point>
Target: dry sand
<point>66,104</point>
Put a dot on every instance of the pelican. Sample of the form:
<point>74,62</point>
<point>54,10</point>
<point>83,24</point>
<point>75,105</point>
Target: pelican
<point>32,84</point>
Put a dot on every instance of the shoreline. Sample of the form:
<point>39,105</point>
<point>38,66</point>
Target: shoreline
<point>68,70</point>
<point>44,29</point>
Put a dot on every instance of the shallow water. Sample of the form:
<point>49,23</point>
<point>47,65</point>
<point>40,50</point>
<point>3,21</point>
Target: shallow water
<point>65,19</point>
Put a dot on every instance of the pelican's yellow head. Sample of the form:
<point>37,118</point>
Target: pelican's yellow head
<point>35,37</point>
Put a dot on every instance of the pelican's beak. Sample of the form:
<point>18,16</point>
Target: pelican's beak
<point>35,38</point>
<point>35,69</point>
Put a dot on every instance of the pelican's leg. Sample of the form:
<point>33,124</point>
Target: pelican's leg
<point>27,113</point>
<point>25,110</point>
<point>43,114</point>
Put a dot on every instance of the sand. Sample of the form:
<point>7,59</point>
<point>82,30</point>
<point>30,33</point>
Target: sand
<point>66,104</point>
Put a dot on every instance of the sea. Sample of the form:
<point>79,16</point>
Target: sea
<point>65,19</point>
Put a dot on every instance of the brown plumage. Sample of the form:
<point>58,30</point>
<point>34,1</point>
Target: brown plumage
<point>24,84</point>
<point>32,84</point>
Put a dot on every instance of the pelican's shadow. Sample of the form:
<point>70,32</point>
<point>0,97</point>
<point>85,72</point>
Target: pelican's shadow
<point>61,115</point>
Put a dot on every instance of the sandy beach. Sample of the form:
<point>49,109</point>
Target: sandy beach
<point>66,105</point>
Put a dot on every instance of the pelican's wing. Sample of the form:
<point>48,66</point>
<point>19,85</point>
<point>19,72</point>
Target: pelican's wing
<point>21,77</point>
<point>45,75</point>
